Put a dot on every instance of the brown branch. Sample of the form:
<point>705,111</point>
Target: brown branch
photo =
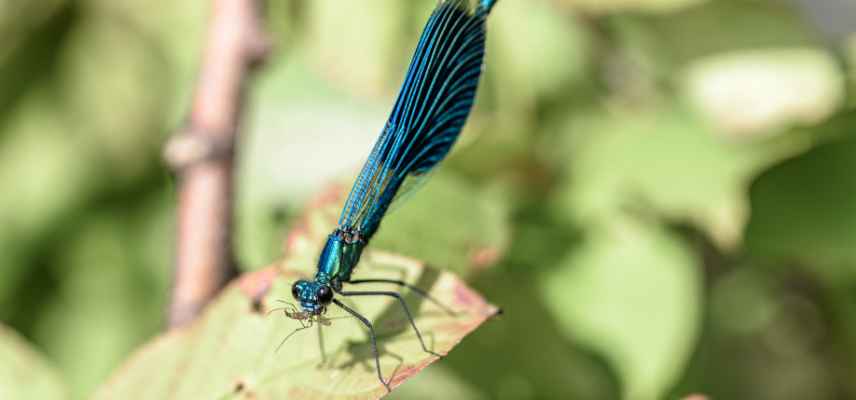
<point>203,156</point>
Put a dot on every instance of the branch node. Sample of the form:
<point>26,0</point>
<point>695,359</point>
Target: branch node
<point>191,147</point>
<point>259,47</point>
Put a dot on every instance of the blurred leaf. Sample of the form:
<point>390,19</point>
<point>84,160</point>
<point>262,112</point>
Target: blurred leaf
<point>803,211</point>
<point>665,160</point>
<point>13,274</point>
<point>437,383</point>
<point>174,31</point>
<point>124,118</point>
<point>104,307</point>
<point>42,166</point>
<point>751,93</point>
<point>46,172</point>
<point>612,6</point>
<point>767,337</point>
<point>237,342</point>
<point>451,226</point>
<point>25,374</point>
<point>20,18</point>
<point>81,131</point>
<point>354,54</point>
<point>448,224</point>
<point>176,28</point>
<point>717,27</point>
<point>525,354</point>
<point>526,71</point>
<point>82,134</point>
<point>229,352</point>
<point>631,292</point>
<point>304,133</point>
<point>742,302</point>
<point>850,54</point>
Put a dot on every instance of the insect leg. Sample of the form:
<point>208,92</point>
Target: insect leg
<point>412,288</point>
<point>371,336</point>
<point>303,326</point>
<point>406,311</point>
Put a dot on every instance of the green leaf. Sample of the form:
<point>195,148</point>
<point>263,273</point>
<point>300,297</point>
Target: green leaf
<point>850,55</point>
<point>803,210</point>
<point>666,160</point>
<point>49,172</point>
<point>24,373</point>
<point>525,354</point>
<point>290,120</point>
<point>18,21</point>
<point>449,224</point>
<point>355,54</point>
<point>760,92</point>
<point>631,292</point>
<point>718,27</point>
<point>437,383</point>
<point>614,6</point>
<point>230,351</point>
<point>85,352</point>
<point>521,67</point>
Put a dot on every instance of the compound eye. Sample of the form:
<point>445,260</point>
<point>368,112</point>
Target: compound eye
<point>295,290</point>
<point>324,294</point>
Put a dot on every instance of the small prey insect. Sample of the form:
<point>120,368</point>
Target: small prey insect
<point>307,320</point>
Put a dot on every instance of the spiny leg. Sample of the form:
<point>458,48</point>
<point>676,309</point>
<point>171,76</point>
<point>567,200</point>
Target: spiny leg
<point>371,336</point>
<point>406,311</point>
<point>412,288</point>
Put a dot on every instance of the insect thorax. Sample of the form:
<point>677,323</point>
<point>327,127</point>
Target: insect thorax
<point>340,256</point>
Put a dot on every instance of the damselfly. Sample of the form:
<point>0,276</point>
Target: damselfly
<point>431,109</point>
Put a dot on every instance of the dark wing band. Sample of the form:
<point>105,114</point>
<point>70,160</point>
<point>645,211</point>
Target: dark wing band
<point>435,100</point>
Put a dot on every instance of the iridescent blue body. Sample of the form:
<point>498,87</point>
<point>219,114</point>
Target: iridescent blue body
<point>434,102</point>
<point>338,259</point>
<point>432,107</point>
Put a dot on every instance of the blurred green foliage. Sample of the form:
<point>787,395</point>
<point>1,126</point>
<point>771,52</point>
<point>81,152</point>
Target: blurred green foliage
<point>670,181</point>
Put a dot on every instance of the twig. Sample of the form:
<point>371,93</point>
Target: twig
<point>203,156</point>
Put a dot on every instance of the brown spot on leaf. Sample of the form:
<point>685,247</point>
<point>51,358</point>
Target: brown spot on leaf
<point>466,297</point>
<point>256,306</point>
<point>241,388</point>
<point>484,257</point>
<point>255,285</point>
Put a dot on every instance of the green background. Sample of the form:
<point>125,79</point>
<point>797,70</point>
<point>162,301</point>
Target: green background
<point>669,183</point>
